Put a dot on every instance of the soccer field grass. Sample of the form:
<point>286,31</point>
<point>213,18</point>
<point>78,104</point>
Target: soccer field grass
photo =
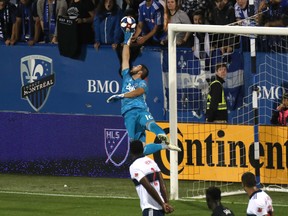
<point>46,195</point>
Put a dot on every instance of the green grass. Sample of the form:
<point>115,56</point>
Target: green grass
<point>22,195</point>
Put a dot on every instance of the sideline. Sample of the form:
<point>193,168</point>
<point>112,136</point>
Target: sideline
<point>115,197</point>
<point>67,195</point>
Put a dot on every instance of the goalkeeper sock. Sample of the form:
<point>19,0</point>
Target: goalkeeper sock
<point>153,147</point>
<point>153,127</point>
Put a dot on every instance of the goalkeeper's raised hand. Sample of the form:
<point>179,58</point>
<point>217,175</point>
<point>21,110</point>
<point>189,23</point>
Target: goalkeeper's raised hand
<point>115,98</point>
<point>127,37</point>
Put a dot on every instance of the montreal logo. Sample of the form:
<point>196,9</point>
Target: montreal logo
<point>37,78</point>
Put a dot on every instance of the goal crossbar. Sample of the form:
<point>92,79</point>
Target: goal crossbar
<point>172,30</point>
<point>227,29</point>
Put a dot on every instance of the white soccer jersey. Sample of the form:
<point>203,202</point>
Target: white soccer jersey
<point>259,204</point>
<point>140,168</point>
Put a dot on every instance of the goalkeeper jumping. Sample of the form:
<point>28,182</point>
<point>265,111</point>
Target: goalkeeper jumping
<point>134,109</point>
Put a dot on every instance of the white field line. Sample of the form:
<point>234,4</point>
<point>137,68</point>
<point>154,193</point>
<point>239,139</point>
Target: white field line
<point>66,195</point>
<point>226,202</point>
<point>114,197</point>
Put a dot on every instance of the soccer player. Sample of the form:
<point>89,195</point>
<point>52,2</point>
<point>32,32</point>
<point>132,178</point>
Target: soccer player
<point>213,199</point>
<point>149,183</point>
<point>134,109</point>
<point>260,203</point>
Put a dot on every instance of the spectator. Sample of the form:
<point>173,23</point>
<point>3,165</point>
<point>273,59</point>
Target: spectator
<point>27,26</point>
<point>280,115</point>
<point>131,4</point>
<point>107,24</point>
<point>260,202</point>
<point>83,12</point>
<point>274,14</point>
<point>48,12</point>
<point>216,101</point>
<point>223,14</point>
<point>149,30</point>
<point>7,18</point>
<point>190,6</point>
<point>241,12</point>
<point>149,183</point>
<point>172,14</point>
<point>201,42</point>
<point>213,199</point>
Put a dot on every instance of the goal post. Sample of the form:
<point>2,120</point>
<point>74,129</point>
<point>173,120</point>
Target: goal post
<point>173,110</point>
<point>248,31</point>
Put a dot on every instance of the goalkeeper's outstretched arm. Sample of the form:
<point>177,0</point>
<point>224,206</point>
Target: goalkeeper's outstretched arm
<point>126,49</point>
<point>135,93</point>
<point>125,56</point>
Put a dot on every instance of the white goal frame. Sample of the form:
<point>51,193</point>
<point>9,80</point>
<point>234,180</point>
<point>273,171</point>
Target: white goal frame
<point>172,30</point>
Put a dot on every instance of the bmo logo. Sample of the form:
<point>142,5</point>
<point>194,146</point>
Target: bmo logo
<point>103,86</point>
<point>272,92</point>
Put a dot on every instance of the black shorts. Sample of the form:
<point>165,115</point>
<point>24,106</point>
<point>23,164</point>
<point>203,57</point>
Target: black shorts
<point>152,212</point>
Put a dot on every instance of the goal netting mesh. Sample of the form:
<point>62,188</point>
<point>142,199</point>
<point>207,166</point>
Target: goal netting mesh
<point>218,154</point>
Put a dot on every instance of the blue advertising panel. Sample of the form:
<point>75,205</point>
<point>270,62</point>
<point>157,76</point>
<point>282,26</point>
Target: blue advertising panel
<point>39,79</point>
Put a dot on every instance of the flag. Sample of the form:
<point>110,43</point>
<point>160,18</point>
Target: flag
<point>192,85</point>
<point>191,80</point>
<point>234,82</point>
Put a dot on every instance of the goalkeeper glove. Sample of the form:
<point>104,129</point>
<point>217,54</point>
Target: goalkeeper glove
<point>115,98</point>
<point>127,37</point>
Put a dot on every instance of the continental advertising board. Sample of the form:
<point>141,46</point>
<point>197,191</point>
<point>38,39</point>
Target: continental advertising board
<point>223,152</point>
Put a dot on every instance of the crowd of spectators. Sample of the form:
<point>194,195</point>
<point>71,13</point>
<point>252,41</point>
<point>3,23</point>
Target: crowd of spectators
<point>35,21</point>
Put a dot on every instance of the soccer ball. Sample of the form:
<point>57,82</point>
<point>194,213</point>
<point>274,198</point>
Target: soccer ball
<point>128,23</point>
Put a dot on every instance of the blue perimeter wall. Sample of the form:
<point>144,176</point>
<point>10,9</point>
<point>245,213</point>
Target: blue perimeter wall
<point>75,132</point>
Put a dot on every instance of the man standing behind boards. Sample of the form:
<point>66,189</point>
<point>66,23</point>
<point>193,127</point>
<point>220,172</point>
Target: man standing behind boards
<point>216,110</point>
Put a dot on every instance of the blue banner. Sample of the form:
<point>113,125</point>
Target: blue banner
<point>39,79</point>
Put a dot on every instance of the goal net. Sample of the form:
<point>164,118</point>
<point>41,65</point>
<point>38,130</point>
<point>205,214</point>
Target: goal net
<point>219,153</point>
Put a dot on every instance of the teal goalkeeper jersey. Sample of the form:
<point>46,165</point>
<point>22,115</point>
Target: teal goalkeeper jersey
<point>128,85</point>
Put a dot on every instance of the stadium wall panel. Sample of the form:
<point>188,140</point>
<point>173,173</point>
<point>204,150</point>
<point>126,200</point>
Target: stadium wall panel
<point>68,128</point>
<point>77,86</point>
<point>72,145</point>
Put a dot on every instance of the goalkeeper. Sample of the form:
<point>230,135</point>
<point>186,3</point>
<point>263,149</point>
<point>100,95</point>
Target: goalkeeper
<point>134,109</point>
